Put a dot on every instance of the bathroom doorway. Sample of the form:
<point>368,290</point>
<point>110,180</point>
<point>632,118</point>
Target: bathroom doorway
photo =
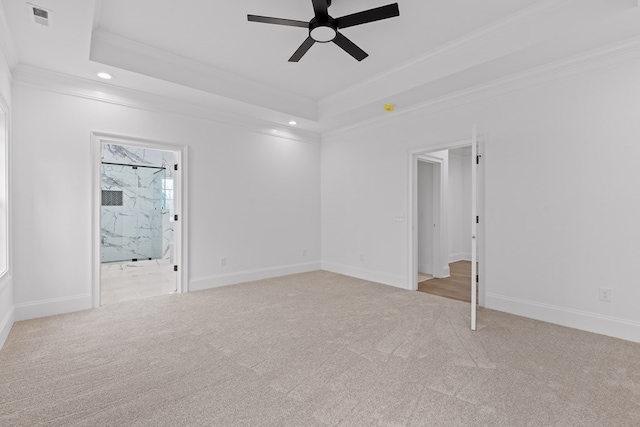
<point>137,222</point>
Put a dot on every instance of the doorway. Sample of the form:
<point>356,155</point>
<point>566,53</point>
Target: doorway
<point>455,272</point>
<point>457,236</point>
<point>137,232</point>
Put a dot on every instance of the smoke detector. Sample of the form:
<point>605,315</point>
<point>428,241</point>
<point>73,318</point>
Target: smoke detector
<point>39,15</point>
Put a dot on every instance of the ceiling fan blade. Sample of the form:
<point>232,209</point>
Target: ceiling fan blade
<point>371,15</point>
<point>304,47</point>
<point>321,8</point>
<point>350,47</point>
<point>278,21</point>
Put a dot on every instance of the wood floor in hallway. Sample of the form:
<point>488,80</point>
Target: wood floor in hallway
<point>456,286</point>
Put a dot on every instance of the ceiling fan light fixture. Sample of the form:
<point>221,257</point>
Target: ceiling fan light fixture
<point>323,28</point>
<point>323,33</point>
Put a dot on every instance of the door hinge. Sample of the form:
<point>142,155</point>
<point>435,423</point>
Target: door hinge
<point>477,278</point>
<point>175,167</point>
<point>175,217</point>
<point>477,220</point>
<point>175,268</point>
<point>478,159</point>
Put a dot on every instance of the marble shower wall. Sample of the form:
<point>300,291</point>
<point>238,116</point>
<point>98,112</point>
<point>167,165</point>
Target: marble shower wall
<point>135,223</point>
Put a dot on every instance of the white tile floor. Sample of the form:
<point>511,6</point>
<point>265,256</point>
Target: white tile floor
<point>127,281</point>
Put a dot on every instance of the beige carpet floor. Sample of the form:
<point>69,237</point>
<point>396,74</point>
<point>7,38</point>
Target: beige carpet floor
<point>315,349</point>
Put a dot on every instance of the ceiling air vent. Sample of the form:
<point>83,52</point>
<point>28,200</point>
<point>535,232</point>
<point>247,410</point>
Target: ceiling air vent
<point>39,15</point>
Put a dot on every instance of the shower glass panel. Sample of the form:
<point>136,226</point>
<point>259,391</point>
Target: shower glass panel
<point>132,203</point>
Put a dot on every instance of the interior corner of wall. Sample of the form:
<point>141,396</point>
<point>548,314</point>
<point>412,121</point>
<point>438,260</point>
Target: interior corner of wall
<point>446,271</point>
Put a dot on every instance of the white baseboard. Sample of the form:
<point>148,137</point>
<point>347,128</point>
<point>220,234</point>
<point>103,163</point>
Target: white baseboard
<point>202,283</point>
<point>446,272</point>
<point>462,256</point>
<point>370,275</point>
<point>51,307</point>
<point>586,321</point>
<point>6,325</point>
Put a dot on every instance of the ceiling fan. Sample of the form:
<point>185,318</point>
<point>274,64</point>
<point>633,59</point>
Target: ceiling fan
<point>323,28</point>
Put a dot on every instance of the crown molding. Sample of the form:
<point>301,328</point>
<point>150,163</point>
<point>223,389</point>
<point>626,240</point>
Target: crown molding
<point>537,9</point>
<point>605,57</point>
<point>6,40</point>
<point>496,40</point>
<point>65,84</point>
<point>608,56</point>
<point>114,50</point>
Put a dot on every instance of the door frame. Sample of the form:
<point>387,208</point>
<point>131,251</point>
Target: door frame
<point>412,217</point>
<point>180,235</point>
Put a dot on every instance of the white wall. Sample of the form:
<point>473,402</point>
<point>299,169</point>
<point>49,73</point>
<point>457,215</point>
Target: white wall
<point>253,198</point>
<point>6,283</point>
<point>561,197</point>
<point>459,206</point>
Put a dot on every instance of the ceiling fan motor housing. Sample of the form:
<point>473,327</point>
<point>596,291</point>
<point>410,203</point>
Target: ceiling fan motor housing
<point>323,31</point>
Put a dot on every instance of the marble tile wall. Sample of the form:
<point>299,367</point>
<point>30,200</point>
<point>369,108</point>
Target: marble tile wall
<point>141,227</point>
<point>129,155</point>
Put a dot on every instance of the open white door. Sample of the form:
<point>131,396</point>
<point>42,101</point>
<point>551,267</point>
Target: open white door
<point>474,224</point>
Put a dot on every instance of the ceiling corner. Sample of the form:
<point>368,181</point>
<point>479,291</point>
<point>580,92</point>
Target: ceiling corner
<point>96,15</point>
<point>6,40</point>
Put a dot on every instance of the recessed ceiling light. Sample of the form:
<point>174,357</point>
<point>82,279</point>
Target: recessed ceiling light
<point>293,123</point>
<point>105,76</point>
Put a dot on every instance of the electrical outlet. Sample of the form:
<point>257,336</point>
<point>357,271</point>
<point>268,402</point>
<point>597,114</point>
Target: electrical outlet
<point>223,262</point>
<point>605,294</point>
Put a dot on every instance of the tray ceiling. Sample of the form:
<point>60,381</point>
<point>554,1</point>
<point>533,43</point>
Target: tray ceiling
<point>206,51</point>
